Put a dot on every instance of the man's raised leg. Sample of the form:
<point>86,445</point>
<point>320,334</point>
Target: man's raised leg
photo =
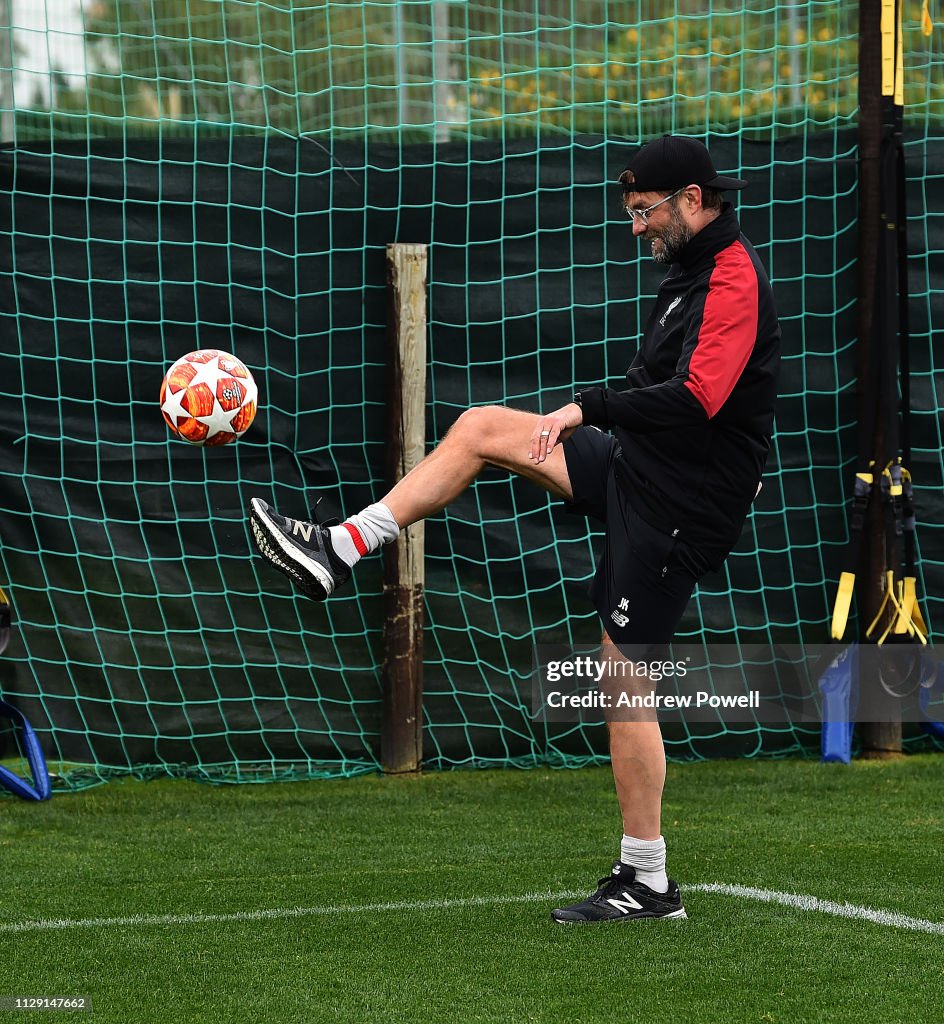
<point>318,558</point>
<point>485,435</point>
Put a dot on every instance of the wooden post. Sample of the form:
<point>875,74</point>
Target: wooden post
<point>401,740</point>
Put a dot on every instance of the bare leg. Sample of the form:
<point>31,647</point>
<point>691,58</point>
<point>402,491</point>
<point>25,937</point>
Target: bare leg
<point>638,885</point>
<point>638,758</point>
<point>485,435</point>
<point>319,560</point>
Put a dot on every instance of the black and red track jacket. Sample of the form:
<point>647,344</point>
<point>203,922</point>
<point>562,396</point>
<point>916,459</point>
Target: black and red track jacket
<point>695,425</point>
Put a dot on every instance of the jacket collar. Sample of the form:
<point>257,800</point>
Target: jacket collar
<point>712,238</point>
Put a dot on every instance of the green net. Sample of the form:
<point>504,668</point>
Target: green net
<point>441,69</point>
<point>227,173</point>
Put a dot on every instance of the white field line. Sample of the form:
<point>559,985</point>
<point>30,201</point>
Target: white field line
<point>280,912</point>
<point>888,918</point>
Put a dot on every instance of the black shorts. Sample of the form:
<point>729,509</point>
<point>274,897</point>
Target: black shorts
<point>644,578</point>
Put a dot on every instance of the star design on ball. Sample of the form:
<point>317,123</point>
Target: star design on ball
<point>218,420</point>
<point>207,373</point>
<point>173,405</point>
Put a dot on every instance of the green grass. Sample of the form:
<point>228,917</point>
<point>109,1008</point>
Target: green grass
<point>867,834</point>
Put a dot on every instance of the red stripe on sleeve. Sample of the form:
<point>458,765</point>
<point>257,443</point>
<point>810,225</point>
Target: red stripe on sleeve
<point>356,537</point>
<point>728,329</point>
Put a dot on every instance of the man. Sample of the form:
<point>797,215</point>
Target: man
<point>671,465</point>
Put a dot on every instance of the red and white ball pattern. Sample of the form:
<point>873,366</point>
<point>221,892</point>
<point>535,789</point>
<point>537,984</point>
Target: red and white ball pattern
<point>208,398</point>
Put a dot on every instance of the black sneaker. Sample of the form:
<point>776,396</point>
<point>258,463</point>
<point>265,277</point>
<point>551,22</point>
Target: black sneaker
<point>300,549</point>
<point>621,898</point>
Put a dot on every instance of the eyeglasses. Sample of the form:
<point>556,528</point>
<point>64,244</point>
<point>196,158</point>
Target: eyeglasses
<point>643,215</point>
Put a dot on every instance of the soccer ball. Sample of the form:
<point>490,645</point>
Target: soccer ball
<point>208,397</point>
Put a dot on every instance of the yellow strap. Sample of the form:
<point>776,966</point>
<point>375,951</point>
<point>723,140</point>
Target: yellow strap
<point>891,596</point>
<point>900,63</point>
<point>906,603</point>
<point>910,599</point>
<point>842,605</point>
<point>909,607</point>
<point>879,614</point>
<point>888,47</point>
<point>927,26</point>
<point>893,62</point>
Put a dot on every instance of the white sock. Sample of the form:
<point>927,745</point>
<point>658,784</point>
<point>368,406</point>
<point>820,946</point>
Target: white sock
<point>647,856</point>
<point>359,535</point>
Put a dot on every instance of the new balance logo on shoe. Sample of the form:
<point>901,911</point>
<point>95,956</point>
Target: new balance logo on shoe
<point>303,530</point>
<point>626,904</point>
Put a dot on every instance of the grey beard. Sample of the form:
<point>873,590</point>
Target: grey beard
<point>674,239</point>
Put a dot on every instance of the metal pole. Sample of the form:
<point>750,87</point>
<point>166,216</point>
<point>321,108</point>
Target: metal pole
<point>441,87</point>
<point>403,96</point>
<point>796,92</point>
<point>7,98</point>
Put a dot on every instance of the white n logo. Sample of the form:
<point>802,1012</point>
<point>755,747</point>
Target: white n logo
<point>303,528</point>
<point>626,904</point>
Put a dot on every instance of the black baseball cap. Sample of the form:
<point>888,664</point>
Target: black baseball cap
<point>671,163</point>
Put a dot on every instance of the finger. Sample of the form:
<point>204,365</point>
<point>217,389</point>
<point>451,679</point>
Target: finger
<point>549,439</point>
<point>542,451</point>
<point>552,439</point>
<point>534,448</point>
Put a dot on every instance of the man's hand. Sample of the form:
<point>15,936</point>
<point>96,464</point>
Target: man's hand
<point>554,427</point>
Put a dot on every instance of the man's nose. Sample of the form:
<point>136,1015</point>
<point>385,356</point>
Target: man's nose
<point>639,227</point>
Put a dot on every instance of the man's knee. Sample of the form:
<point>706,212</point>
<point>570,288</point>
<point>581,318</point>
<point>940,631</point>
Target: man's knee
<point>480,428</point>
<point>499,436</point>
